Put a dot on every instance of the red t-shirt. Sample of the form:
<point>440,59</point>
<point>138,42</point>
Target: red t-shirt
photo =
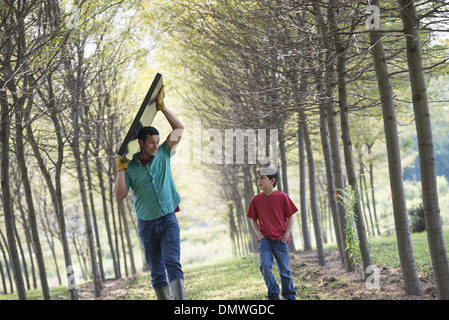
<point>272,212</point>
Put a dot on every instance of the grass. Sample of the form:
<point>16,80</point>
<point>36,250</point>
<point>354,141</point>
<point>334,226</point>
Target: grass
<point>240,278</point>
<point>233,279</point>
<point>384,251</point>
<point>57,293</point>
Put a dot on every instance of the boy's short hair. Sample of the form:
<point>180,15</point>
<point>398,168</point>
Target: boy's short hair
<point>152,131</point>
<point>270,172</point>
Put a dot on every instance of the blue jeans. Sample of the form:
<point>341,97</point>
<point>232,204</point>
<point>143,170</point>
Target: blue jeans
<point>161,242</point>
<point>268,248</point>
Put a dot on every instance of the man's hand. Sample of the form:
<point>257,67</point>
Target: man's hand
<point>122,164</point>
<point>160,100</point>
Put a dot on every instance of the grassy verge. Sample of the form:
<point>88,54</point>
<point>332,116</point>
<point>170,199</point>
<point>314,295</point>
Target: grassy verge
<point>240,278</point>
<point>233,279</point>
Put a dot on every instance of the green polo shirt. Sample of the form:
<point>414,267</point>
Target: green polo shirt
<point>155,193</point>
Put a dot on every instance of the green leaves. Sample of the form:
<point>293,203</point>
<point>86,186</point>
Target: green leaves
<point>348,197</point>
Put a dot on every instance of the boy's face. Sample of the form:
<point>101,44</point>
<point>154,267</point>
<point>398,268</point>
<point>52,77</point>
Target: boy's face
<point>265,183</point>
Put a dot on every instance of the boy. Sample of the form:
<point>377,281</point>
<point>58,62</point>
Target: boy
<point>271,214</point>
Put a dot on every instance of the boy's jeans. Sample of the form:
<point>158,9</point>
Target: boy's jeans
<point>268,248</point>
<point>161,241</point>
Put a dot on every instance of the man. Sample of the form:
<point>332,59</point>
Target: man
<point>156,200</point>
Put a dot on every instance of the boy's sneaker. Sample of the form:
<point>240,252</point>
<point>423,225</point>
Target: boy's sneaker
<point>273,297</point>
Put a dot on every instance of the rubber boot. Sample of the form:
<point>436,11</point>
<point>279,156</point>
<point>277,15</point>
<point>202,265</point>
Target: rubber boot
<point>177,289</point>
<point>163,293</point>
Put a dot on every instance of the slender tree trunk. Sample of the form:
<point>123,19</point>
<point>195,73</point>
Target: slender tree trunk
<point>340,50</point>
<point>313,200</point>
<point>114,226</point>
<point>284,177</point>
<point>28,240</point>
<point>363,202</point>
<point>349,160</point>
<point>248,194</point>
<point>435,236</point>
<point>87,141</point>
<point>364,187</point>
<point>2,273</point>
<point>29,200</point>
<point>76,85</point>
<point>371,179</point>
<point>232,229</point>
<point>22,255</point>
<point>122,240</point>
<point>330,179</point>
<point>87,218</point>
<point>5,258</point>
<point>6,194</point>
<point>45,223</point>
<point>97,135</point>
<point>302,190</point>
<point>106,214</point>
<point>56,188</point>
<point>406,256</point>
<point>121,207</point>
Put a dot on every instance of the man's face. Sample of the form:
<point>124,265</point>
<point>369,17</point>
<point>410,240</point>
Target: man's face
<point>149,147</point>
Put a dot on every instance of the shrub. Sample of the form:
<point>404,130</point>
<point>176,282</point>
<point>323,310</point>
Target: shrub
<point>417,221</point>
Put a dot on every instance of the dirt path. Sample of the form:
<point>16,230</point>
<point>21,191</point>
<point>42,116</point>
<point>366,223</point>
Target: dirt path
<point>330,282</point>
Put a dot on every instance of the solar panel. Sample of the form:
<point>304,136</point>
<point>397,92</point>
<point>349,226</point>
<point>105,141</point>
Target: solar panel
<point>144,117</point>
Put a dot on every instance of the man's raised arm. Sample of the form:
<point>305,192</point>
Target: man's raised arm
<point>175,136</point>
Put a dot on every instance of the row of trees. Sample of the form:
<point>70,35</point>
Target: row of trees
<point>61,86</point>
<point>304,65</point>
<point>309,69</point>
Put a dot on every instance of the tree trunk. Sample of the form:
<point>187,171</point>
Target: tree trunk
<point>22,255</point>
<point>20,118</point>
<point>121,208</point>
<point>340,49</point>
<point>5,258</point>
<point>87,218</point>
<point>302,190</point>
<point>426,151</point>
<point>284,177</point>
<point>349,160</point>
<point>6,194</point>
<point>105,211</point>
<point>2,273</point>
<point>45,223</point>
<point>313,200</point>
<point>56,188</point>
<point>114,223</point>
<point>371,179</point>
<point>330,179</point>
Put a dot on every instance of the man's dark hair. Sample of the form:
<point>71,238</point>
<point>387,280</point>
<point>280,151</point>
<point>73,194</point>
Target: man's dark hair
<point>152,131</point>
<point>270,172</point>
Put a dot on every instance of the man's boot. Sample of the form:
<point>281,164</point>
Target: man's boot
<point>177,289</point>
<point>163,293</point>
